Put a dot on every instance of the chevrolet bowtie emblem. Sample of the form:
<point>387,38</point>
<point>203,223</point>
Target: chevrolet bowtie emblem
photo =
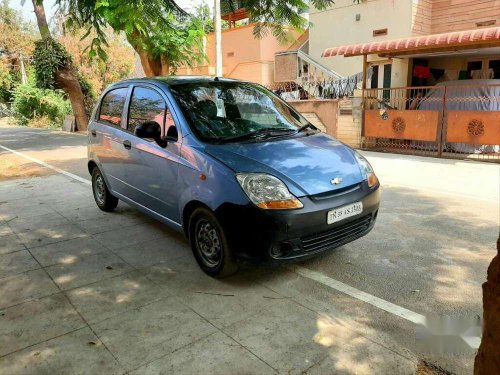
<point>336,180</point>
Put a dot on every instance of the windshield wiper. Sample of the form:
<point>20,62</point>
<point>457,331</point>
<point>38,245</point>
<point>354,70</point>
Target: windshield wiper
<point>304,127</point>
<point>261,133</point>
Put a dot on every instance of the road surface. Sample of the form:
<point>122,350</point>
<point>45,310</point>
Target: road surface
<point>427,256</point>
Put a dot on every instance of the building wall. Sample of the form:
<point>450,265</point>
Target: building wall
<point>288,67</point>
<point>399,76</point>
<point>243,56</point>
<point>421,17</point>
<point>349,122</point>
<point>323,112</point>
<point>337,26</point>
<point>456,15</point>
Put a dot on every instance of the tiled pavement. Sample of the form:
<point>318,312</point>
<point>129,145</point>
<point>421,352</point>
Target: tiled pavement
<point>83,291</point>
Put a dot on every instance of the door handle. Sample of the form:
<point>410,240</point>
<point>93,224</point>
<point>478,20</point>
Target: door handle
<point>127,145</point>
<point>93,132</point>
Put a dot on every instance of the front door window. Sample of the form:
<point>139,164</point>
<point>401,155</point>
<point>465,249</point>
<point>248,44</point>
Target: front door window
<point>146,105</point>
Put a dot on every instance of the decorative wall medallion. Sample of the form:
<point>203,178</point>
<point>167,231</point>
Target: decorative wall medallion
<point>475,128</point>
<point>398,125</point>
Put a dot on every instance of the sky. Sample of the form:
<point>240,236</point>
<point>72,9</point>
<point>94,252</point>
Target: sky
<point>27,8</point>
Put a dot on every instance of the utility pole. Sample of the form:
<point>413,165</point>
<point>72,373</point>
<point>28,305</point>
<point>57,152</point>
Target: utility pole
<point>218,46</point>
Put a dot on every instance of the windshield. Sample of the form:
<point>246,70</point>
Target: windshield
<point>227,111</point>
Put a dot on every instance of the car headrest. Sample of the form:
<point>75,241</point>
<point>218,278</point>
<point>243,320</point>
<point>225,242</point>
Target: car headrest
<point>207,108</point>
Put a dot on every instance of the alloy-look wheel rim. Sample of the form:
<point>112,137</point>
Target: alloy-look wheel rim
<point>100,190</point>
<point>208,243</point>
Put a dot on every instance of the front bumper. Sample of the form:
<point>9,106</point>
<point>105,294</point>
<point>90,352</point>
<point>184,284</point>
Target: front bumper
<point>258,235</point>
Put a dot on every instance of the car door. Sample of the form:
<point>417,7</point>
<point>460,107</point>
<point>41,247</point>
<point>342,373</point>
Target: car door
<point>154,173</point>
<point>107,135</point>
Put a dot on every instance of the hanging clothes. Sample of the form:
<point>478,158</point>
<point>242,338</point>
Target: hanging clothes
<point>437,73</point>
<point>421,71</point>
<point>482,74</point>
<point>463,75</point>
<point>451,74</point>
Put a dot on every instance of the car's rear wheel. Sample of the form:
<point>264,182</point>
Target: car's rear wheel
<point>103,198</point>
<point>209,244</point>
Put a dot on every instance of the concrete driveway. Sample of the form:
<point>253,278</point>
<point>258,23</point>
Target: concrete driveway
<point>82,291</point>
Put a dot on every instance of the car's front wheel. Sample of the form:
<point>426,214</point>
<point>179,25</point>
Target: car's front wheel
<point>103,198</point>
<point>209,244</point>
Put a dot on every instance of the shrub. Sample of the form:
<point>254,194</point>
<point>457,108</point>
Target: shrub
<point>5,83</point>
<point>31,102</point>
<point>5,110</point>
<point>41,122</point>
<point>49,57</point>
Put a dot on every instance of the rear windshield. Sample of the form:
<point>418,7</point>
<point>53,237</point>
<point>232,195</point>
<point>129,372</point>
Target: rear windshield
<point>218,111</point>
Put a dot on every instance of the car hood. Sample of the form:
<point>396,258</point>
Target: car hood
<point>307,164</point>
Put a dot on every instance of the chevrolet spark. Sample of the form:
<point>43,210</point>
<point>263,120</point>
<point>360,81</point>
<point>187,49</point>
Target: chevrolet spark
<point>240,172</point>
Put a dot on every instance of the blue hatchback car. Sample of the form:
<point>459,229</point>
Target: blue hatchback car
<point>241,173</point>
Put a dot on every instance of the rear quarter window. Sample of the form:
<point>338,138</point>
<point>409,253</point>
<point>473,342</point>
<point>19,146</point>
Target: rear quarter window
<point>112,104</point>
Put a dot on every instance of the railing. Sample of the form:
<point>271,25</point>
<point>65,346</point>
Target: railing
<point>315,67</point>
<point>451,120</point>
<point>302,66</point>
<point>313,88</point>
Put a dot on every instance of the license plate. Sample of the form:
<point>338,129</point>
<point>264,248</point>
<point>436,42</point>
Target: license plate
<point>344,212</point>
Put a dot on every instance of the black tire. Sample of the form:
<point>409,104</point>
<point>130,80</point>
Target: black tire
<point>209,244</point>
<point>103,198</point>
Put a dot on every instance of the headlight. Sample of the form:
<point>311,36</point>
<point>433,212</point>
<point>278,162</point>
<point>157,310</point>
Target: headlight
<point>267,192</point>
<point>367,170</point>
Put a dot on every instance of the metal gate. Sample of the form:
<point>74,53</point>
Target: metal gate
<point>460,120</point>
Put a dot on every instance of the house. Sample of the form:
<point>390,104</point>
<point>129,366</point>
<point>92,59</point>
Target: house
<point>243,56</point>
<point>434,82</point>
<point>384,20</point>
<point>253,59</point>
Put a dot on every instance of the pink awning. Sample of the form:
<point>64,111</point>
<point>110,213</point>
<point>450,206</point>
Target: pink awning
<point>460,39</point>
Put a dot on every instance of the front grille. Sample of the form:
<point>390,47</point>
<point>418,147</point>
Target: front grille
<point>335,235</point>
<point>335,193</point>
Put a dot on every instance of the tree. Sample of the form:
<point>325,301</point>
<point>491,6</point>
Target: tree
<point>97,72</point>
<point>16,35</point>
<point>162,34</point>
<point>487,358</point>
<point>54,67</point>
<point>272,15</point>
<point>17,39</point>
<point>165,36</point>
<point>5,82</point>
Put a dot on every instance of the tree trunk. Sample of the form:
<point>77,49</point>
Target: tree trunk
<point>41,19</point>
<point>165,66</point>
<point>66,78</point>
<point>152,66</point>
<point>488,358</point>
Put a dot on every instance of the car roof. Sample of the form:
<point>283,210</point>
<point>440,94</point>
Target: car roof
<point>177,80</point>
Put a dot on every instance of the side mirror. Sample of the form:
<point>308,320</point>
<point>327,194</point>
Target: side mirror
<point>152,130</point>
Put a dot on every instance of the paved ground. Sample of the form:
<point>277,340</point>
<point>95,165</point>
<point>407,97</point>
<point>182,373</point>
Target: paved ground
<point>82,291</point>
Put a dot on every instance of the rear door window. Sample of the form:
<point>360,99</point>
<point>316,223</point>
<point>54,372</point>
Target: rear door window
<point>112,106</point>
<point>146,105</point>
